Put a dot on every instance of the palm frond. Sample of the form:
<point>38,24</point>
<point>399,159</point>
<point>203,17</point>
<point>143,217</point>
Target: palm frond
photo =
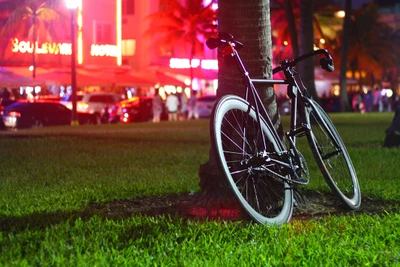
<point>48,14</point>
<point>180,25</point>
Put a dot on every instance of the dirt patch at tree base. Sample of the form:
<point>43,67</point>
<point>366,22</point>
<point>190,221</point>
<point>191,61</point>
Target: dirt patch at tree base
<point>316,206</point>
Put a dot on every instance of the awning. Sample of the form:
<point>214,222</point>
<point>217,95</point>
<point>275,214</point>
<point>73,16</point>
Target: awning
<point>64,77</point>
<point>11,79</point>
<point>165,79</point>
<point>158,78</point>
<point>128,78</point>
<point>199,73</point>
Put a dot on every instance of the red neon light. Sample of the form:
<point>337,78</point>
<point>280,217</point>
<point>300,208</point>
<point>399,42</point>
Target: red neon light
<point>183,63</point>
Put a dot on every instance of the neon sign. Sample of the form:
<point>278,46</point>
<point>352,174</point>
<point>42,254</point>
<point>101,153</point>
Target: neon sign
<point>45,48</point>
<point>209,64</point>
<point>184,63</point>
<point>104,50</point>
<point>61,48</point>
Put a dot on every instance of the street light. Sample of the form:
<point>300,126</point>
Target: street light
<point>72,5</point>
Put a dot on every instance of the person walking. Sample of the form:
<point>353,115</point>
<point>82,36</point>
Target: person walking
<point>157,106</point>
<point>183,107</point>
<point>5,98</point>
<point>192,109</point>
<point>378,106</point>
<point>172,104</point>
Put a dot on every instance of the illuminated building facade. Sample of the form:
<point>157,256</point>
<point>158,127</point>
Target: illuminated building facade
<point>109,35</point>
<point>98,38</point>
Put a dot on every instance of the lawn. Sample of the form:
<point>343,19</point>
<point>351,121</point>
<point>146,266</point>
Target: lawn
<point>49,177</point>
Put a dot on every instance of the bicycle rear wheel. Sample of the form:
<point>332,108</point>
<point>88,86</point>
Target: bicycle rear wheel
<point>332,157</point>
<point>238,142</point>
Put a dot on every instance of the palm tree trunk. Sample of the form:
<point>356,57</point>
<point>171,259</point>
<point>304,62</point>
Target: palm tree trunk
<point>192,52</point>
<point>249,22</point>
<point>34,37</point>
<point>306,67</point>
<point>344,99</point>
<point>292,27</point>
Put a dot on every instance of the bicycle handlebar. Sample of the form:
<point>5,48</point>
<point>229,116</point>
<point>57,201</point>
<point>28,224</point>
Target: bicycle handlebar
<point>326,62</point>
<point>226,39</point>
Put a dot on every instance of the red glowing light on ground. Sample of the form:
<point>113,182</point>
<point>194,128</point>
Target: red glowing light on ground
<point>232,213</point>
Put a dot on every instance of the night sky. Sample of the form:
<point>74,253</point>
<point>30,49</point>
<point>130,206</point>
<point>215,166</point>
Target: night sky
<point>359,3</point>
<point>356,3</point>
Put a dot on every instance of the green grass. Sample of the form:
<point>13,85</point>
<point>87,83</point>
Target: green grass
<point>145,241</point>
<point>49,176</point>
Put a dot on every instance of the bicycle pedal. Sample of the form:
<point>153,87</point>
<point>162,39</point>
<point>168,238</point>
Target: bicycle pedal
<point>302,180</point>
<point>301,130</point>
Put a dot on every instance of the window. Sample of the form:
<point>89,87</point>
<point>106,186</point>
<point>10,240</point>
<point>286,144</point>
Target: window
<point>128,7</point>
<point>128,47</point>
<point>103,33</point>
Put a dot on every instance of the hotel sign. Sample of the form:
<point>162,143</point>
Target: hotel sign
<point>44,48</point>
<point>23,47</point>
<point>104,50</point>
<point>185,63</point>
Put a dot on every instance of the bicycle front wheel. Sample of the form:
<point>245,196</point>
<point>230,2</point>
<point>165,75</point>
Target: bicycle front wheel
<point>238,142</point>
<point>332,157</point>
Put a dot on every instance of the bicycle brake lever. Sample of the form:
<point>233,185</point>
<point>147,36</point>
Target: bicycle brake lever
<point>327,64</point>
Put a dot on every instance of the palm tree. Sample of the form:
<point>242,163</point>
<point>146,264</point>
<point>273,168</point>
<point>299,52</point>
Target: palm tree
<point>286,17</point>
<point>6,8</point>
<point>247,21</point>
<point>182,28</point>
<point>344,99</point>
<point>28,19</point>
<point>306,67</point>
<point>371,47</point>
<point>292,27</point>
<point>296,21</point>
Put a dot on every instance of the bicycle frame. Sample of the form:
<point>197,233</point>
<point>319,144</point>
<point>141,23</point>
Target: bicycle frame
<point>295,92</point>
<point>262,166</point>
<point>251,91</point>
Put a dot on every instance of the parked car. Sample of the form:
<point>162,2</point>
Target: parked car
<point>135,109</point>
<point>205,104</point>
<point>93,103</point>
<point>3,105</point>
<point>38,114</point>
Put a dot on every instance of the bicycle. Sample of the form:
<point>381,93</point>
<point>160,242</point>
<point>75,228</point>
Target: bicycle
<point>262,168</point>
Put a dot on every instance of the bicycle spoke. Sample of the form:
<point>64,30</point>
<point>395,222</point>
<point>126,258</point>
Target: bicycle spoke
<point>237,129</point>
<point>256,196</point>
<point>234,143</point>
<point>239,171</point>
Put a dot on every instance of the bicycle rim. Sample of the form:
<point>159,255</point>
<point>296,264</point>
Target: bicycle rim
<point>237,139</point>
<point>332,157</point>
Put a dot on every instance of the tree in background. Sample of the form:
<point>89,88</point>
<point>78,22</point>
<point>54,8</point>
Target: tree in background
<point>249,22</point>
<point>181,28</point>
<point>287,21</point>
<point>372,49</point>
<point>344,99</point>
<point>29,19</point>
<point>292,27</point>
<point>6,8</point>
<point>306,34</point>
